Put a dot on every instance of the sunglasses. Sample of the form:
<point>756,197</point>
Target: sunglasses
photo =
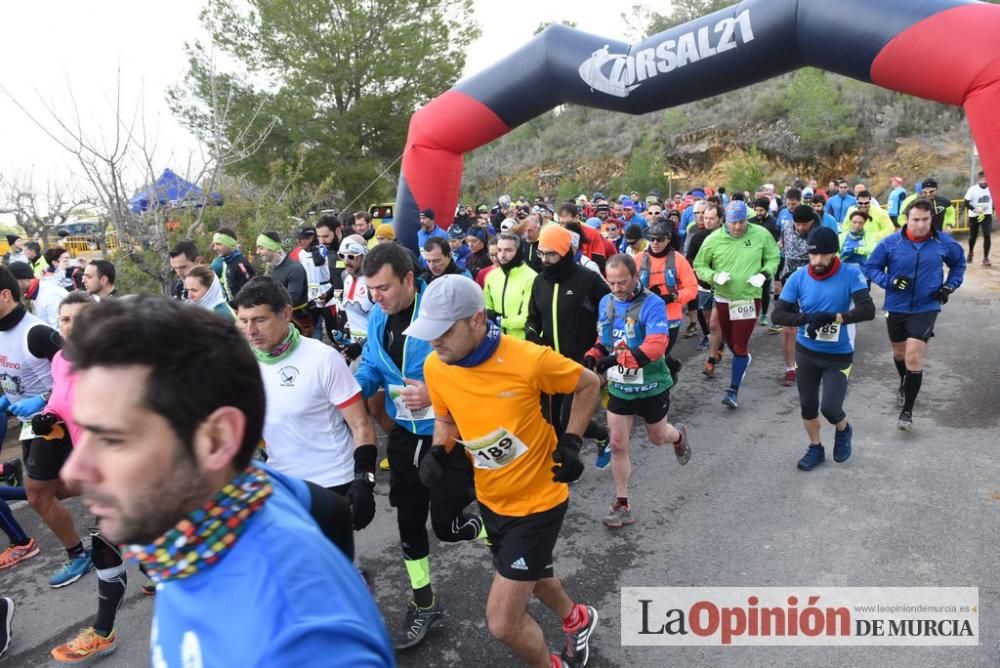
<point>348,256</point>
<point>654,212</point>
<point>658,240</point>
<point>633,241</point>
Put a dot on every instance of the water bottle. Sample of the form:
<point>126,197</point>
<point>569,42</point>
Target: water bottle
<point>671,281</point>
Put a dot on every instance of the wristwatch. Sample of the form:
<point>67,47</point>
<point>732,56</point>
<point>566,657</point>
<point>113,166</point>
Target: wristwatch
<point>367,476</point>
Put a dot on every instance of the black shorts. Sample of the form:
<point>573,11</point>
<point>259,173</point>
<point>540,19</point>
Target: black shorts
<point>522,546</point>
<point>651,409</point>
<point>44,459</point>
<point>903,326</point>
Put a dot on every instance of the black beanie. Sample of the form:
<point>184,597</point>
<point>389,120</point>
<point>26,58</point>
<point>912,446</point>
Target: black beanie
<point>804,214</point>
<point>823,241</point>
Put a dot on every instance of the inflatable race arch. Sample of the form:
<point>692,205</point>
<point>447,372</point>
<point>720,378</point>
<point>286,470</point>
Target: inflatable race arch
<point>943,50</point>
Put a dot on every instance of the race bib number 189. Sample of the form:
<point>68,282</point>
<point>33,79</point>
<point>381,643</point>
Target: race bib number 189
<point>495,450</point>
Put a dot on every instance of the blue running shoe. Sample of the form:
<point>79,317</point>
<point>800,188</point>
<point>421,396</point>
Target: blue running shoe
<point>703,344</point>
<point>814,456</point>
<point>603,454</point>
<point>842,444</point>
<point>730,399</point>
<point>72,570</point>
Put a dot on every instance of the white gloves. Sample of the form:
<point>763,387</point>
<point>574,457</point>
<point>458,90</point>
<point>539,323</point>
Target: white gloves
<point>722,277</point>
<point>757,280</point>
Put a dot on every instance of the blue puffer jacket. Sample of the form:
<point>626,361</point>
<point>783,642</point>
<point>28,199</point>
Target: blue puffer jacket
<point>377,371</point>
<point>898,257</point>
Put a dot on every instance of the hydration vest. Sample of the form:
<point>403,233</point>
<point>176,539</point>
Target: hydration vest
<point>635,334</point>
<point>669,272</point>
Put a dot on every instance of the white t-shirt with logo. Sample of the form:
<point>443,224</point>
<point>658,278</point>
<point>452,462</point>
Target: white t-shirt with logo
<point>357,304</point>
<point>304,430</point>
<point>981,200</point>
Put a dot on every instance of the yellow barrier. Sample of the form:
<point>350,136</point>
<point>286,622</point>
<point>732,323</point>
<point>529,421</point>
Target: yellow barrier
<point>961,216</point>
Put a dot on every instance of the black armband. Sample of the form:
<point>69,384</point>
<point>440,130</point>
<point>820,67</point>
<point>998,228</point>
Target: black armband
<point>640,357</point>
<point>864,308</point>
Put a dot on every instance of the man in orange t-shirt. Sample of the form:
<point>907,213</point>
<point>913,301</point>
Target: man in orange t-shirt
<point>522,496</point>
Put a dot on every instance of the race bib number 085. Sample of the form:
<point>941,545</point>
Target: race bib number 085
<point>828,333</point>
<point>744,309</point>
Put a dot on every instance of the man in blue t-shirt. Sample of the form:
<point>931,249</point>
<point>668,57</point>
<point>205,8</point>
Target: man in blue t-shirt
<point>839,203</point>
<point>824,299</point>
<point>244,575</point>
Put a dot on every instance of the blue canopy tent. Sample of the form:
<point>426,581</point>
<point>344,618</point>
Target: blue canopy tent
<point>171,191</point>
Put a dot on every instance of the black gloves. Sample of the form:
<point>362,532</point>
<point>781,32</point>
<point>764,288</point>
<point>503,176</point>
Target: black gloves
<point>605,363</point>
<point>669,298</point>
<point>943,293</point>
<point>901,283</point>
<point>361,493</point>
<point>431,470</point>
<point>815,321</point>
<point>444,471</point>
<point>352,351</point>
<point>598,360</point>
<point>568,466</point>
<point>42,423</point>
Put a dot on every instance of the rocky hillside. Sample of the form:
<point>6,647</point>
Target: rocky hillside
<point>809,123</point>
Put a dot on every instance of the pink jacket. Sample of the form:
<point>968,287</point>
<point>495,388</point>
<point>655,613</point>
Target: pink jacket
<point>61,402</point>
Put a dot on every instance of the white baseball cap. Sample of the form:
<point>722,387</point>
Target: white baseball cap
<point>447,300</point>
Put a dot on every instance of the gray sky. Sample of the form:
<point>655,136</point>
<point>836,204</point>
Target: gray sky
<point>52,47</point>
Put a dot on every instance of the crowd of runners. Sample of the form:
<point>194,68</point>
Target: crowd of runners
<point>240,447</point>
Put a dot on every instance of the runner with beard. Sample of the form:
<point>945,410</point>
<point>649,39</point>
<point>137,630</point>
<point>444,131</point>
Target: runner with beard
<point>562,314</point>
<point>823,302</point>
<point>508,291</point>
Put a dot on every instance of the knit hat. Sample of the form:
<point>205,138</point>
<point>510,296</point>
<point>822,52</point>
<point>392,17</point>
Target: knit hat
<point>555,237</point>
<point>594,223</point>
<point>455,232</point>
<point>11,239</point>
<point>803,214</point>
<point>386,231</point>
<point>427,213</point>
<point>823,241</point>
<point>658,228</point>
<point>478,233</point>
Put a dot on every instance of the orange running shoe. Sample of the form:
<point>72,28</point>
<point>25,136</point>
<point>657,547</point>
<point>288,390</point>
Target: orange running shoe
<point>15,554</point>
<point>86,646</point>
